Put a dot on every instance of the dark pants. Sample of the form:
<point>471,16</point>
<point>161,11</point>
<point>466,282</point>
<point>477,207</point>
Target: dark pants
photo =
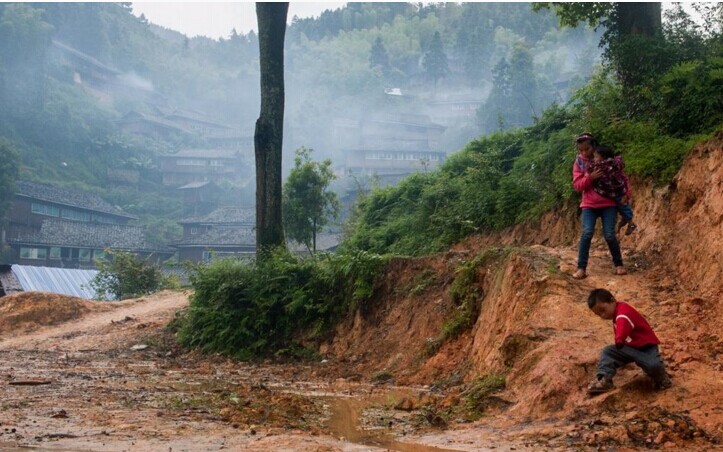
<point>589,218</point>
<point>647,358</point>
<point>624,209</point>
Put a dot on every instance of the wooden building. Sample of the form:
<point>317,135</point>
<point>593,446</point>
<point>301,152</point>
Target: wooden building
<point>389,144</point>
<point>227,231</point>
<point>58,227</point>
<point>198,165</point>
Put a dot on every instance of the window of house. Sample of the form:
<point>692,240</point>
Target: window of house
<point>194,230</point>
<point>207,256</point>
<point>191,162</point>
<point>55,252</point>
<point>98,255</point>
<point>84,254</point>
<point>44,209</point>
<point>103,219</point>
<point>33,253</point>
<point>76,215</point>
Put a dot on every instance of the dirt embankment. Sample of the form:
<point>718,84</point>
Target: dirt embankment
<point>27,311</point>
<point>500,307</point>
<point>531,323</point>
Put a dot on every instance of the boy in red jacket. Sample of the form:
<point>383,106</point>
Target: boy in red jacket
<point>635,342</point>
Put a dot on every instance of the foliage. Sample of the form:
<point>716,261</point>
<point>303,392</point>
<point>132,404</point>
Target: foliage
<point>126,275</point>
<point>517,93</point>
<point>379,57</point>
<point>9,164</point>
<point>252,310</point>
<point>506,178</point>
<point>307,202</point>
<point>435,60</point>
<point>475,397</point>
<point>696,82</point>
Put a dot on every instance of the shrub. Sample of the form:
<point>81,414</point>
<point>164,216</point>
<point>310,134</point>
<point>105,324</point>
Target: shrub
<point>695,82</point>
<point>248,310</point>
<point>125,275</point>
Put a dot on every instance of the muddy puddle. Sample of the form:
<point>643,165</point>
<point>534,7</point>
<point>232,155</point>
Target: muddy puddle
<point>345,423</point>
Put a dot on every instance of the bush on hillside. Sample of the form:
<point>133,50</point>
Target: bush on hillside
<point>248,310</point>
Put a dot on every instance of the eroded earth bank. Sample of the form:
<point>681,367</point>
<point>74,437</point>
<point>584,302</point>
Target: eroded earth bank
<point>488,346</point>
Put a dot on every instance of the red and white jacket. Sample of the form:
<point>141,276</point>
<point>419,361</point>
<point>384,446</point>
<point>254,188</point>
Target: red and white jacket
<point>631,328</point>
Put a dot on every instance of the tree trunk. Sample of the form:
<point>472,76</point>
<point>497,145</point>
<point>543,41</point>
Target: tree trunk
<point>268,137</point>
<point>638,18</point>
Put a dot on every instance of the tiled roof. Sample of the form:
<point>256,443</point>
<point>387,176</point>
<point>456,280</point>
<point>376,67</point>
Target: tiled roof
<point>225,215</point>
<point>84,57</point>
<point>221,237</point>
<point>405,119</point>
<point>55,232</point>
<point>74,198</point>
<point>196,184</point>
<point>205,153</point>
<point>157,120</point>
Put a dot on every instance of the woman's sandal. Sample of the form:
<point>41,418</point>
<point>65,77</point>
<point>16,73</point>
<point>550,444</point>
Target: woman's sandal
<point>620,271</point>
<point>580,274</point>
<point>631,228</point>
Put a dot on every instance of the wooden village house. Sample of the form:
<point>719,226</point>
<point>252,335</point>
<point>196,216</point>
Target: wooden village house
<point>58,227</point>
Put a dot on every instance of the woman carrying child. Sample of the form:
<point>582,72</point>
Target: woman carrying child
<point>593,206</point>
<point>613,183</point>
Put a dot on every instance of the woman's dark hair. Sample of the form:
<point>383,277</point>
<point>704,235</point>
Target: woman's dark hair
<point>583,137</point>
<point>604,151</point>
<point>599,296</point>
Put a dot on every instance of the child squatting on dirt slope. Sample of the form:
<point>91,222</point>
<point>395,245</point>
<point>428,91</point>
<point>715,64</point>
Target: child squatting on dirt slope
<point>635,342</point>
<point>613,183</point>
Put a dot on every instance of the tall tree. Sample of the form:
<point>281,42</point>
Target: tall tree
<point>308,204</point>
<point>631,31</point>
<point>435,60</point>
<point>379,56</point>
<point>269,134</point>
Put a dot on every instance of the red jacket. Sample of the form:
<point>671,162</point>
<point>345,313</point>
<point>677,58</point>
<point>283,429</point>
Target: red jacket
<point>581,182</point>
<point>631,328</point>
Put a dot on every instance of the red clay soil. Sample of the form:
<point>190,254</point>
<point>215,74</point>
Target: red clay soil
<point>534,327</point>
<point>28,311</point>
<point>527,322</point>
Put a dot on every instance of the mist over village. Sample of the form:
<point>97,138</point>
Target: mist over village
<point>361,226</point>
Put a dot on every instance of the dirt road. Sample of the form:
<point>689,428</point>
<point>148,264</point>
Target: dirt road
<point>92,391</point>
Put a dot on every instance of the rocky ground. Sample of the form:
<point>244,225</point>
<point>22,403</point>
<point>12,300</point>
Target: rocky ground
<point>112,379</point>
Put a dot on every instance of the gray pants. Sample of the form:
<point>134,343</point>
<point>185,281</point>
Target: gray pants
<point>647,358</point>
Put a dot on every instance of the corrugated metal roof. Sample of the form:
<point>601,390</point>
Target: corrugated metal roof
<point>65,281</point>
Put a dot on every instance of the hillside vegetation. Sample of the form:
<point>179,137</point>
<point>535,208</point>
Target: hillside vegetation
<point>497,181</point>
<point>66,136</point>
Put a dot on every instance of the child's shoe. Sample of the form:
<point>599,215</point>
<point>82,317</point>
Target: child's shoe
<point>600,386</point>
<point>631,228</point>
<point>663,384</point>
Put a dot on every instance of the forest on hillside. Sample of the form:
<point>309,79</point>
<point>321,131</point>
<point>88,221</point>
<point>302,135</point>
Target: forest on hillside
<point>342,64</point>
<point>520,64</point>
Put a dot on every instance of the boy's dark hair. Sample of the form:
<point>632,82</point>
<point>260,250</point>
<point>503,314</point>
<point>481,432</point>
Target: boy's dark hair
<point>604,151</point>
<point>583,137</point>
<point>599,296</point>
